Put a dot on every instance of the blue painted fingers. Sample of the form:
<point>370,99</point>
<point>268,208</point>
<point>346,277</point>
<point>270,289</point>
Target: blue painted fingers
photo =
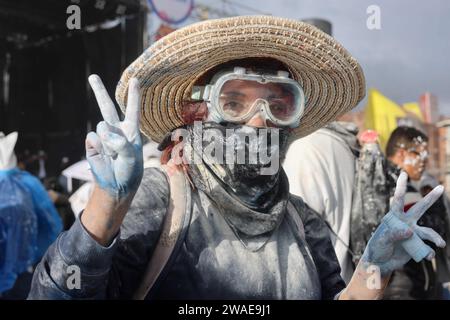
<point>114,151</point>
<point>399,238</point>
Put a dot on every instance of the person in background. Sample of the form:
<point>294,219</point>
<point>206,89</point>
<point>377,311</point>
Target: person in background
<point>426,184</point>
<point>341,175</point>
<point>371,193</point>
<point>29,223</point>
<point>61,201</point>
<point>33,163</point>
<point>407,150</point>
<point>321,170</point>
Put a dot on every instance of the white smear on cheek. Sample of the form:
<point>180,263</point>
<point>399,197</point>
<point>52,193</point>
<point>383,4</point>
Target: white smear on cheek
<point>410,161</point>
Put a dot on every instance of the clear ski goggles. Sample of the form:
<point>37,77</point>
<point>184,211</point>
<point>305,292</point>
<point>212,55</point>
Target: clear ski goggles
<point>236,96</point>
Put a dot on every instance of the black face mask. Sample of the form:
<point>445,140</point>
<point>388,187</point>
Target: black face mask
<point>245,160</point>
<point>252,196</point>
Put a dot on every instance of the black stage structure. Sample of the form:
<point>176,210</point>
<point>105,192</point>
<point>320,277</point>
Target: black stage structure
<point>44,67</point>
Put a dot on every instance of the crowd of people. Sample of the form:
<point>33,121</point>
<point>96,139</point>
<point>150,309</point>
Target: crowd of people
<point>193,226</point>
<point>352,186</point>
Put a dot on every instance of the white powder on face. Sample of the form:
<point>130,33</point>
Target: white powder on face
<point>418,140</point>
<point>410,161</point>
<point>417,162</point>
<point>423,155</point>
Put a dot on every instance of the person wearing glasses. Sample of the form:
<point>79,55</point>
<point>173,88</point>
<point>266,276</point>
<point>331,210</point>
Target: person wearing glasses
<point>223,98</point>
<point>407,150</point>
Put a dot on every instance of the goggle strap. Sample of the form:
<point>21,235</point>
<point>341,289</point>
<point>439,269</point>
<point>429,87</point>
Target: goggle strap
<point>201,93</point>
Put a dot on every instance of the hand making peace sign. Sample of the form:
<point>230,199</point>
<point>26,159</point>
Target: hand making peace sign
<point>114,152</point>
<point>399,238</point>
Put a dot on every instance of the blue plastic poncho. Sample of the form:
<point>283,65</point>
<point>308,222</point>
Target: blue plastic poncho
<point>29,223</point>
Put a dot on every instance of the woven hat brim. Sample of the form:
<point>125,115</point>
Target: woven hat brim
<point>331,78</point>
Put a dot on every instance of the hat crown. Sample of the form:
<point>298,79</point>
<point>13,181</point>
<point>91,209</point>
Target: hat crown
<point>332,80</point>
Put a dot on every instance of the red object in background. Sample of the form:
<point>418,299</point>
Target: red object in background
<point>408,206</point>
<point>368,136</point>
<point>429,107</point>
<point>163,30</point>
<point>411,198</point>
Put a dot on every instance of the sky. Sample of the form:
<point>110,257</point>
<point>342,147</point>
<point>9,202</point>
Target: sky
<point>407,56</point>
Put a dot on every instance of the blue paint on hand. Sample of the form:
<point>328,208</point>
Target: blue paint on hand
<point>414,246</point>
<point>398,238</point>
<point>114,152</point>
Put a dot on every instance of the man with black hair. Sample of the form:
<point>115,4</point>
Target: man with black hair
<point>407,150</point>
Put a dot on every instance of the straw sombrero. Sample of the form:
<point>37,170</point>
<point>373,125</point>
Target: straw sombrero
<point>331,78</point>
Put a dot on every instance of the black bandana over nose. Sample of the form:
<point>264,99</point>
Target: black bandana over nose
<point>252,189</point>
